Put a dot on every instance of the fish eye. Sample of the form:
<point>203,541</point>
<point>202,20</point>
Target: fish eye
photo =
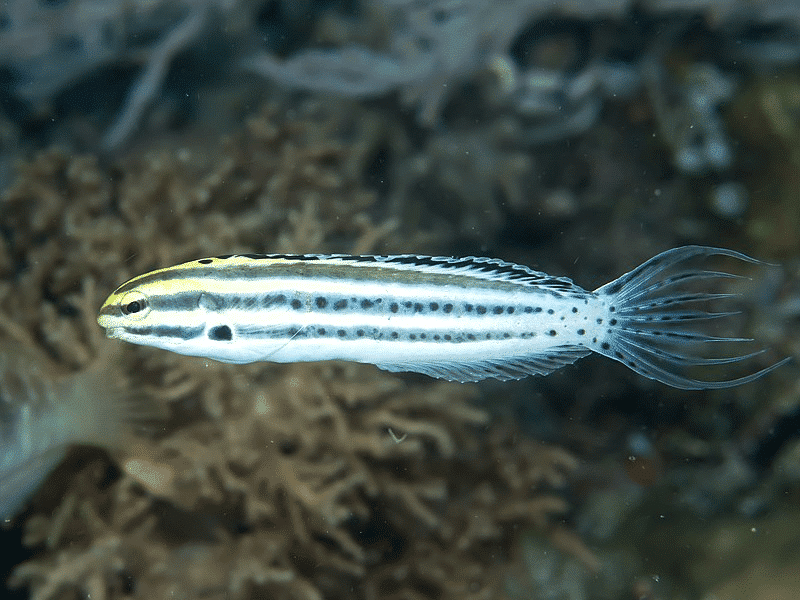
<point>134,304</point>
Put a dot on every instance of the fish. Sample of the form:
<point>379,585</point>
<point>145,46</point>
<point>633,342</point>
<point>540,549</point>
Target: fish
<point>461,319</point>
<point>44,411</point>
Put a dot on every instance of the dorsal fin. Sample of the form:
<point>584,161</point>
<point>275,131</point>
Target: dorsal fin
<point>479,267</point>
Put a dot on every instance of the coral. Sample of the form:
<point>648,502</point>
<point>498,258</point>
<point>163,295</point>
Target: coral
<point>51,47</point>
<point>425,50</point>
<point>336,466</point>
<point>432,49</point>
<point>150,81</point>
<point>692,128</point>
<point>434,53</point>
<point>300,481</point>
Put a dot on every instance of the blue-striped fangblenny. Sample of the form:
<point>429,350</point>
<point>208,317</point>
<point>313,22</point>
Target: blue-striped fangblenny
<point>461,319</point>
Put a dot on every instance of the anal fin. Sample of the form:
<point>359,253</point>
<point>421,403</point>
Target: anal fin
<point>503,369</point>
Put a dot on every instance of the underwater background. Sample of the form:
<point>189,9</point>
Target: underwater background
<point>578,138</point>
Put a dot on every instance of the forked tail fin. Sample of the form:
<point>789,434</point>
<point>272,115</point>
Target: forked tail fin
<point>656,327</point>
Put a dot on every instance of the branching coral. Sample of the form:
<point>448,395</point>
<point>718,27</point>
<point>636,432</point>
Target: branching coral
<point>433,48</point>
<point>371,481</point>
<point>303,481</point>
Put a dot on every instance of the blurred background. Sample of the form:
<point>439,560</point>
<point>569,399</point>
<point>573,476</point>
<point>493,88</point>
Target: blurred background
<point>578,138</point>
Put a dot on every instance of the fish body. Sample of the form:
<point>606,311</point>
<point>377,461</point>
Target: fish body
<point>42,413</point>
<point>461,319</point>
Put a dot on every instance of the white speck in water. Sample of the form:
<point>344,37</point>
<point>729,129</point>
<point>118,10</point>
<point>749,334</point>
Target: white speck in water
<point>729,200</point>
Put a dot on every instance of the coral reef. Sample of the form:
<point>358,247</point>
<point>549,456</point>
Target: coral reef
<point>427,51</point>
<point>315,480</point>
<point>308,481</point>
<point>581,140</point>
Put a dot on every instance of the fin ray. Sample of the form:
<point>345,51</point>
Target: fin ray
<point>504,370</point>
<point>475,266</point>
<point>656,331</point>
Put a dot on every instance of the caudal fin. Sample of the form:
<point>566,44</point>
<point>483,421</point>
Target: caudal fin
<point>658,326</point>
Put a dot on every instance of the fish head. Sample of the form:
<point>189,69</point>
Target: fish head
<point>151,312</point>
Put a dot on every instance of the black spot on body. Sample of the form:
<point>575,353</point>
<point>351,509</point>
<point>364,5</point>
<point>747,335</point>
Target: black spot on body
<point>321,302</point>
<point>220,333</point>
<point>605,345</point>
<point>528,309</point>
<point>394,335</point>
<point>412,336</point>
<point>448,337</point>
<point>612,322</point>
<point>538,309</point>
<point>434,306</point>
<point>550,311</point>
<point>481,310</point>
<point>498,310</point>
<point>470,336</point>
<point>467,307</point>
<point>394,307</point>
<point>407,304</point>
<point>581,332</point>
<point>296,304</point>
<point>510,310</point>
<point>341,333</point>
<point>552,333</point>
<point>321,331</point>
<point>365,304</point>
<point>360,333</point>
<point>340,304</point>
<point>574,309</point>
<point>270,300</point>
<point>417,307</point>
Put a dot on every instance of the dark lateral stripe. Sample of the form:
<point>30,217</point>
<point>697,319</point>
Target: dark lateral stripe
<point>188,301</point>
<point>183,333</point>
<point>250,332</point>
<point>347,333</point>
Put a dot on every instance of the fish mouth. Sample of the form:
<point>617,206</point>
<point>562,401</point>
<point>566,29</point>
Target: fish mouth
<point>114,333</point>
<point>104,316</point>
